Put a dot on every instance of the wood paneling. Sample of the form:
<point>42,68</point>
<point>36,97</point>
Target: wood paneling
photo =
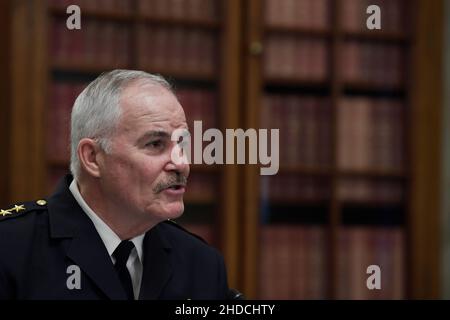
<point>425,151</point>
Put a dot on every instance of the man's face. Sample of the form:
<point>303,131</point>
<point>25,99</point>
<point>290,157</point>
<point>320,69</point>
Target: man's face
<point>138,174</point>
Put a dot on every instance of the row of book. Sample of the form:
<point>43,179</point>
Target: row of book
<point>371,63</point>
<point>171,49</point>
<point>193,10</point>
<point>305,127</point>
<point>287,56</point>
<point>371,134</point>
<point>293,262</point>
<point>292,188</point>
<point>291,57</point>
<point>377,191</point>
<point>177,49</point>
<point>392,15</point>
<point>97,43</point>
<point>308,14</point>
<point>360,248</point>
<point>316,14</point>
<point>199,105</point>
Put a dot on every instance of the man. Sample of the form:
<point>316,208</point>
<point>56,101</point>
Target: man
<point>105,233</point>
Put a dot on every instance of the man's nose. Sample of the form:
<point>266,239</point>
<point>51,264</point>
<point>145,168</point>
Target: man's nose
<point>178,167</point>
<point>177,161</point>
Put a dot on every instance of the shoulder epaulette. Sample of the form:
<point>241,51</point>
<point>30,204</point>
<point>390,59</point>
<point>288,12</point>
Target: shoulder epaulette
<point>19,209</point>
<point>173,223</point>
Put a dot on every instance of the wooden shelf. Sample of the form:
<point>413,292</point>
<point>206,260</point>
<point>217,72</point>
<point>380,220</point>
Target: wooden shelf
<point>373,174</point>
<point>365,87</point>
<point>376,36</point>
<point>305,170</point>
<point>117,16</point>
<point>81,67</point>
<point>369,203</point>
<point>297,83</point>
<point>298,201</point>
<point>299,31</point>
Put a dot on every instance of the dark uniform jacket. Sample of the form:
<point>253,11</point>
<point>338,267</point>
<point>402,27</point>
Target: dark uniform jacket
<point>41,240</point>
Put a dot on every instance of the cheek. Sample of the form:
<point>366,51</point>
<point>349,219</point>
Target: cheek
<point>150,171</point>
<point>146,168</point>
<point>121,172</point>
<point>136,171</point>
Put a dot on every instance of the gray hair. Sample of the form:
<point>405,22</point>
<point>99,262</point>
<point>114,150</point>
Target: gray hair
<point>96,111</point>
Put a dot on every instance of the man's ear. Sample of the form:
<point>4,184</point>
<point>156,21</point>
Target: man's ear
<point>88,151</point>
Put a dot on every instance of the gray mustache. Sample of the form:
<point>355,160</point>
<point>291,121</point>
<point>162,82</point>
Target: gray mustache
<point>172,180</point>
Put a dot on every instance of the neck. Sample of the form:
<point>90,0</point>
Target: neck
<point>117,217</point>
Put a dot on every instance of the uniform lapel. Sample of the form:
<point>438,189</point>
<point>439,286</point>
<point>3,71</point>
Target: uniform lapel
<point>89,253</point>
<point>86,249</point>
<point>157,268</point>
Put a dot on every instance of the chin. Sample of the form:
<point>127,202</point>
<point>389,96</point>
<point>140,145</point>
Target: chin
<point>175,214</point>
<point>172,210</point>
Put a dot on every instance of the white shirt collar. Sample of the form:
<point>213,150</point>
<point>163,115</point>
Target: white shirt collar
<point>108,236</point>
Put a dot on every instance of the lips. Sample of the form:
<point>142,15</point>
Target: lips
<point>175,189</point>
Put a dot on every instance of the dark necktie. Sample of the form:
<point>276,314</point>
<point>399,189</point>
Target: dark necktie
<point>121,255</point>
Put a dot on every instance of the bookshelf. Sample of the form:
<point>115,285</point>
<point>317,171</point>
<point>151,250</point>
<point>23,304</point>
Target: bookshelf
<point>308,231</point>
<point>342,197</point>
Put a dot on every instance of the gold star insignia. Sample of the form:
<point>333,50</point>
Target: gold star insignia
<point>18,208</point>
<point>4,212</point>
<point>10,211</point>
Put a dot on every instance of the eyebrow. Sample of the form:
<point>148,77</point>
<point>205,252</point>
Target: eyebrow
<point>154,134</point>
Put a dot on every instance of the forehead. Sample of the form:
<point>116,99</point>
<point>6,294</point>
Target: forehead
<point>143,101</point>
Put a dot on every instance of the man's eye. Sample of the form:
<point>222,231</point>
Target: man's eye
<point>154,144</point>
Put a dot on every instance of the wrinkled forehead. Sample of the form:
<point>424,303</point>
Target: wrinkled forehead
<point>143,100</point>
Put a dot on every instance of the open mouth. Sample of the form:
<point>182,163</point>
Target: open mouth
<point>175,187</point>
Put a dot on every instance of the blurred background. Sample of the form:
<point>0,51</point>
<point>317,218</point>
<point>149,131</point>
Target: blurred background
<point>363,118</point>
